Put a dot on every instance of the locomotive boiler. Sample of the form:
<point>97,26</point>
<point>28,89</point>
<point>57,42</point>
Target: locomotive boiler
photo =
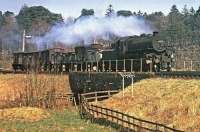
<point>147,51</point>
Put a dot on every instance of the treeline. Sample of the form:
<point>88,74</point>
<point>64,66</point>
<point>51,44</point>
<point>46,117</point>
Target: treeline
<point>180,30</point>
<point>35,20</point>
<point>177,27</point>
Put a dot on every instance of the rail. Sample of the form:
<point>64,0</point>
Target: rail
<point>124,121</point>
<point>179,74</point>
<point>5,71</point>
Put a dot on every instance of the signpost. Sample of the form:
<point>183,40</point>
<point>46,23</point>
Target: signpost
<point>127,75</point>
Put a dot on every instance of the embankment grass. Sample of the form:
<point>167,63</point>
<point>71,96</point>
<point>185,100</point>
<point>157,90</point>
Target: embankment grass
<point>174,102</point>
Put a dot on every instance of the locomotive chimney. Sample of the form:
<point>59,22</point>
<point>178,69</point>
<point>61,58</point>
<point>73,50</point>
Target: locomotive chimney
<point>155,33</point>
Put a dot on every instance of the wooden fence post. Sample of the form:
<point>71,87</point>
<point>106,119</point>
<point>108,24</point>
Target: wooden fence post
<point>157,127</point>
<point>97,112</point>
<point>117,118</point>
<point>74,100</point>
<point>81,106</point>
<point>122,120</point>
<point>101,113</point>
<point>165,129</point>
<point>107,114</point>
<point>92,113</point>
<point>96,98</point>
<point>111,113</point>
<point>109,94</point>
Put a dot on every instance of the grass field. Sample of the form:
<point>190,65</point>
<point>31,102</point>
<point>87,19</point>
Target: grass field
<point>15,87</point>
<point>31,119</point>
<point>174,102</point>
<point>13,82</point>
<point>56,121</point>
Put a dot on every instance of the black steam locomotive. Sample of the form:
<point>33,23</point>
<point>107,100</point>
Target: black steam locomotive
<point>133,53</point>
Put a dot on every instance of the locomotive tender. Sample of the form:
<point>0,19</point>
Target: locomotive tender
<point>133,53</point>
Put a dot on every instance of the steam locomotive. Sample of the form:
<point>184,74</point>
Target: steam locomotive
<point>132,53</point>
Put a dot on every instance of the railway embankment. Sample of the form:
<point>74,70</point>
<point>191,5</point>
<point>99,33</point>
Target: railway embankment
<point>173,102</point>
<point>83,82</point>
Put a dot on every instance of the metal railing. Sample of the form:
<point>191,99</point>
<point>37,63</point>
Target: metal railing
<point>187,65</point>
<point>112,66</point>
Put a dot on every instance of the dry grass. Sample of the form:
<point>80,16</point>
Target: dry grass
<point>168,101</point>
<point>27,114</point>
<point>24,89</point>
<point>6,62</point>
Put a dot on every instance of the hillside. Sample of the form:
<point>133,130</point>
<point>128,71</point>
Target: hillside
<point>174,102</point>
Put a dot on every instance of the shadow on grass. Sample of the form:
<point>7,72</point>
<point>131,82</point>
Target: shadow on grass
<point>57,122</point>
<point>106,123</point>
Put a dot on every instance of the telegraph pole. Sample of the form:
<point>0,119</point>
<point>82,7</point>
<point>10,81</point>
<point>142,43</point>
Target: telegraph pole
<point>24,37</point>
<point>23,41</point>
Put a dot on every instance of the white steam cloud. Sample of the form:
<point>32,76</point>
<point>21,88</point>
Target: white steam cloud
<point>88,28</point>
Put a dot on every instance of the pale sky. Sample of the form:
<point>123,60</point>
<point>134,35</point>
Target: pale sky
<point>73,7</point>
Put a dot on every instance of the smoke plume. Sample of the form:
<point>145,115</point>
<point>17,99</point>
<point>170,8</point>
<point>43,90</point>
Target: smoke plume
<point>89,28</point>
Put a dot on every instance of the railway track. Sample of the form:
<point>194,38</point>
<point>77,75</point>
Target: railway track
<point>172,74</point>
<point>179,74</point>
<point>3,71</point>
